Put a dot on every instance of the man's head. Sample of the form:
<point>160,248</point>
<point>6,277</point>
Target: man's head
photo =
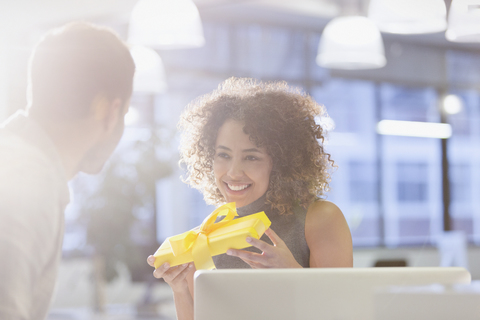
<point>83,72</point>
<point>71,65</point>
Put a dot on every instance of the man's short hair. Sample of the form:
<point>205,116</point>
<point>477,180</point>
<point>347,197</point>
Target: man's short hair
<point>72,64</point>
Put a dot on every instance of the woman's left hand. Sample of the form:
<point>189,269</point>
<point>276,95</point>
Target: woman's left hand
<point>273,256</point>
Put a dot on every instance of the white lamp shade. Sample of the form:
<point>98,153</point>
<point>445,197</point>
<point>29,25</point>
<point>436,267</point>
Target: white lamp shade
<point>149,71</point>
<point>464,21</point>
<point>350,43</point>
<point>409,16</point>
<point>166,24</point>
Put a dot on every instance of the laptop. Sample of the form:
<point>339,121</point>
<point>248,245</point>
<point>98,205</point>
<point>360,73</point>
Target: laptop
<point>317,293</point>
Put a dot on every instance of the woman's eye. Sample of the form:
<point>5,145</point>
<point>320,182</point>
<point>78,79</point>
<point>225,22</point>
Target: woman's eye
<point>251,158</point>
<point>223,155</point>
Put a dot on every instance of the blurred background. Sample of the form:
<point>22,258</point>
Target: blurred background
<point>410,192</point>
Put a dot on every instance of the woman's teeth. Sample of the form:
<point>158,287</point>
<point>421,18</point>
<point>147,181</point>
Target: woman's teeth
<point>237,188</point>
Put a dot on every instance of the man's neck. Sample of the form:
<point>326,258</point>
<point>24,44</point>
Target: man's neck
<point>71,140</point>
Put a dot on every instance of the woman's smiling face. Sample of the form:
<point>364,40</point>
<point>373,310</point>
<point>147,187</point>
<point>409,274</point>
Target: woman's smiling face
<point>242,170</point>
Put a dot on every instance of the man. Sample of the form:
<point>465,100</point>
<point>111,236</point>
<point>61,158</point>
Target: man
<point>80,83</point>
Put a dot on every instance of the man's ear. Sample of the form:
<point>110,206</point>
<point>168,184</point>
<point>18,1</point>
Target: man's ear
<point>107,111</point>
<point>114,113</point>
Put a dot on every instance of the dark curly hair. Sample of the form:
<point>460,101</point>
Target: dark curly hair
<point>277,117</point>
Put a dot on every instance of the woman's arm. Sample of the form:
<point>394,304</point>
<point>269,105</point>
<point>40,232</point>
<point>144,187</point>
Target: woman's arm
<point>328,236</point>
<point>183,305</point>
<point>180,279</point>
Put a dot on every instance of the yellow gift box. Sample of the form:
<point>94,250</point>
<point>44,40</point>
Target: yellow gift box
<point>212,238</point>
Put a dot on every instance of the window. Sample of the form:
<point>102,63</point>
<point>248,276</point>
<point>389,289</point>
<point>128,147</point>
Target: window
<point>363,182</point>
<point>460,182</point>
<point>412,182</point>
<point>406,103</point>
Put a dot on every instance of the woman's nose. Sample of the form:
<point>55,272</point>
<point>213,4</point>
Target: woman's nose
<point>235,169</point>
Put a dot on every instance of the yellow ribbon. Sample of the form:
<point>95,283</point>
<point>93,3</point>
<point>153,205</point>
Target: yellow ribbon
<point>197,240</point>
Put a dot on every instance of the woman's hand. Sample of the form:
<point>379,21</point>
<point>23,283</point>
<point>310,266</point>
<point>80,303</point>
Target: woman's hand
<point>276,256</point>
<point>174,276</point>
<point>177,279</point>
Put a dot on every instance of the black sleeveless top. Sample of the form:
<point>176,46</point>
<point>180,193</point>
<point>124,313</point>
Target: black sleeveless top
<point>289,227</point>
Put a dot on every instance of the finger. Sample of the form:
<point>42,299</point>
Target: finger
<point>262,245</point>
<point>174,272</point>
<point>181,272</point>
<point>158,273</point>
<point>252,264</point>
<point>255,265</point>
<point>273,236</point>
<point>151,261</point>
<point>246,255</point>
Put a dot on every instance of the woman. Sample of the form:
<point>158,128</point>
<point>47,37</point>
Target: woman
<point>258,145</point>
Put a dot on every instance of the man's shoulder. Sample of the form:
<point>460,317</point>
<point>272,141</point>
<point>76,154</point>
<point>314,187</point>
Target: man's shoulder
<point>27,180</point>
<point>17,152</point>
<point>25,171</point>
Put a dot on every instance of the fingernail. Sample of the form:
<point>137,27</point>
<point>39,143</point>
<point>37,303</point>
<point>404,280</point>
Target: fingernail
<point>229,252</point>
<point>185,264</point>
<point>249,239</point>
<point>166,265</point>
<point>190,265</point>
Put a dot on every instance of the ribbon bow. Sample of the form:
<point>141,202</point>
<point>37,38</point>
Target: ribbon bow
<point>197,239</point>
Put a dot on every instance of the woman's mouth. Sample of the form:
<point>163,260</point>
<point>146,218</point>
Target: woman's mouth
<point>237,187</point>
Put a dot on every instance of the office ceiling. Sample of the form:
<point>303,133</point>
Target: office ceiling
<point>302,14</point>
<point>311,15</point>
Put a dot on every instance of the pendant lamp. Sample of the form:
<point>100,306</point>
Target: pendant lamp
<point>149,71</point>
<point>464,21</point>
<point>408,16</point>
<point>351,42</point>
<point>166,24</point>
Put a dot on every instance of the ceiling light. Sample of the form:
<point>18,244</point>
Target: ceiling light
<point>149,71</point>
<point>351,42</point>
<point>464,21</point>
<point>414,129</point>
<point>408,16</point>
<point>166,24</point>
<point>452,104</point>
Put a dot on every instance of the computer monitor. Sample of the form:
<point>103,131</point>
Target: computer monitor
<point>317,293</point>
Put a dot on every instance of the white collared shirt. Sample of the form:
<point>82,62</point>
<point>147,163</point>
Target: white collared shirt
<point>33,197</point>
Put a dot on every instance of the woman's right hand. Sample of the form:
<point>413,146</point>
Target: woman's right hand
<point>174,276</point>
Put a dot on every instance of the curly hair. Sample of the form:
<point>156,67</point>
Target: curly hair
<point>277,117</point>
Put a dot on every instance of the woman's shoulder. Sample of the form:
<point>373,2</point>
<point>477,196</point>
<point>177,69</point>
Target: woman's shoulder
<point>323,207</point>
<point>323,212</point>
<point>328,236</point>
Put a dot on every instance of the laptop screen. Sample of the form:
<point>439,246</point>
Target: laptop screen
<point>319,293</point>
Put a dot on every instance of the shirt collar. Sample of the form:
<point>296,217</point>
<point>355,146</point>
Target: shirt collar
<point>256,206</point>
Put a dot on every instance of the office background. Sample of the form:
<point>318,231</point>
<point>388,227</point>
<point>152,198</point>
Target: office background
<point>389,188</point>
